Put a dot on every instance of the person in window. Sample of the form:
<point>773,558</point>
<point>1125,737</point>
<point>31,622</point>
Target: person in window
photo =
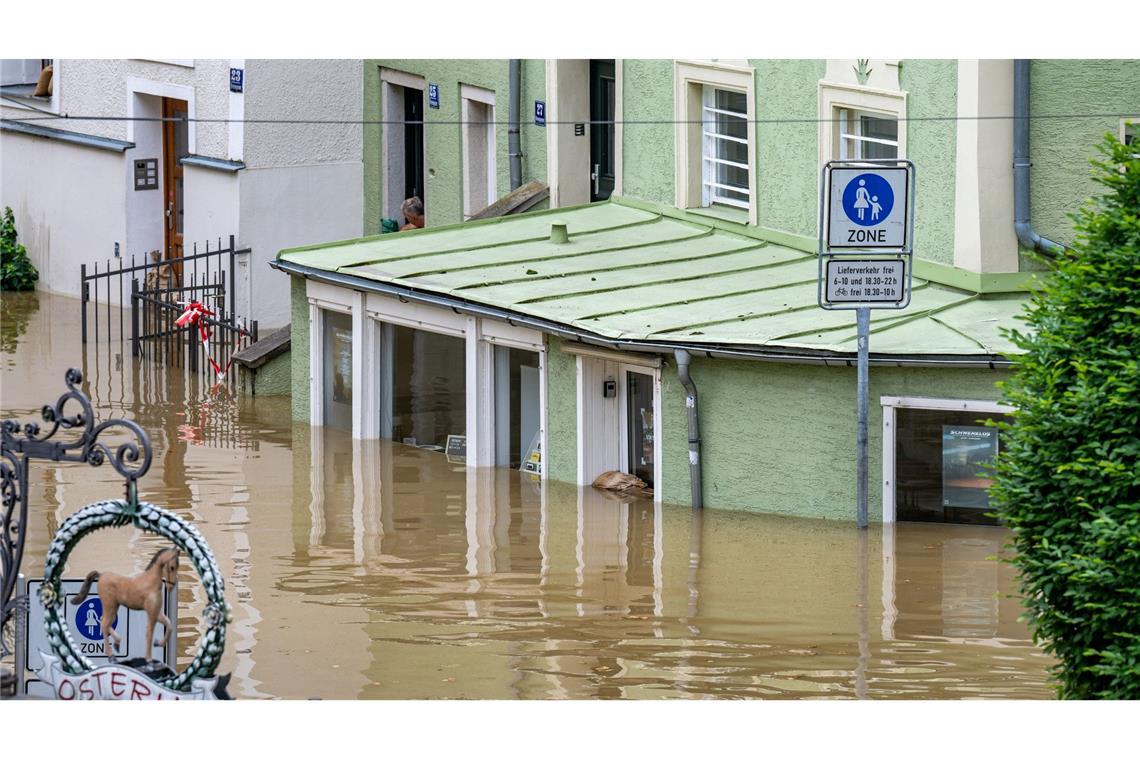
<point>413,211</point>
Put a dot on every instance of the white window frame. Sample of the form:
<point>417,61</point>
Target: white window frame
<point>690,78</point>
<point>890,406</point>
<point>390,198</point>
<point>850,128</point>
<point>36,104</point>
<point>486,97</point>
<point>710,175</point>
<point>834,97</point>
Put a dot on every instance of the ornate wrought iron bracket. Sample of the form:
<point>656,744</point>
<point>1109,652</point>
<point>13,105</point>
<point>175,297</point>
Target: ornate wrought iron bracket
<point>21,444</point>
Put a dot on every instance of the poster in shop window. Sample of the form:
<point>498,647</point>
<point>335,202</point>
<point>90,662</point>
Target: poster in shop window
<point>967,451</point>
<point>342,365</point>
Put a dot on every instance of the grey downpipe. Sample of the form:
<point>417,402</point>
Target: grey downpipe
<point>1026,235</point>
<point>683,358</point>
<point>514,149</point>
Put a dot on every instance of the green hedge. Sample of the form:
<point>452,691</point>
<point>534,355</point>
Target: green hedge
<point>1068,476</point>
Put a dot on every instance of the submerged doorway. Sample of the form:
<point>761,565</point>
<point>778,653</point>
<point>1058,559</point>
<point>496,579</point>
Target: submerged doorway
<point>619,419</point>
<point>175,147</point>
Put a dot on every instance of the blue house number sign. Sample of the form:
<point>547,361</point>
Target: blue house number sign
<point>433,96</point>
<point>540,113</point>
<point>237,80</point>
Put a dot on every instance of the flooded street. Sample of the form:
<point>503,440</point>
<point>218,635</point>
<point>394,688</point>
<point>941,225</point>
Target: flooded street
<point>377,570</point>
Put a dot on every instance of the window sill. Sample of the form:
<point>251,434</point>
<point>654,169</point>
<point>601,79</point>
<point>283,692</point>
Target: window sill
<point>725,213</point>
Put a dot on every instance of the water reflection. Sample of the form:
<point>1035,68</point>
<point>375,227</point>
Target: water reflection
<point>378,570</point>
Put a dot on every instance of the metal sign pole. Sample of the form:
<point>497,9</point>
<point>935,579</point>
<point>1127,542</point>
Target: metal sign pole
<point>863,327</point>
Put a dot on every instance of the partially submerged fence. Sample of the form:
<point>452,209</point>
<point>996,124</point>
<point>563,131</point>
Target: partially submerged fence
<point>156,292</point>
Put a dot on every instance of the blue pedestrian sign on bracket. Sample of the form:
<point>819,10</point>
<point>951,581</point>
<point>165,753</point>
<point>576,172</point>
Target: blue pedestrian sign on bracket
<point>88,617</point>
<point>540,113</point>
<point>433,96</point>
<point>869,208</point>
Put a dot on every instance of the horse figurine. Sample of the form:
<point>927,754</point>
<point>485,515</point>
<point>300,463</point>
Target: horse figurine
<point>138,592</point>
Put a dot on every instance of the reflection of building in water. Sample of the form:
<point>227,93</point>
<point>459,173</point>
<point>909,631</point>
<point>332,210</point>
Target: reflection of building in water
<point>961,596</point>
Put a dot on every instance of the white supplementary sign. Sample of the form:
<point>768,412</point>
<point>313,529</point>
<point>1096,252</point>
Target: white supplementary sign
<point>83,622</point>
<point>865,281</point>
<point>868,208</point>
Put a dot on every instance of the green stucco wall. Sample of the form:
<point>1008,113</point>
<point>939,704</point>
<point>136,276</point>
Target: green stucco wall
<point>1061,148</point>
<point>443,142</point>
<point>647,131</point>
<point>776,438</point>
<point>562,413</point>
<point>787,144</point>
<point>299,348</point>
<point>932,91</point>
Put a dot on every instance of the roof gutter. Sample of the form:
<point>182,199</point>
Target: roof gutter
<point>1026,235</point>
<point>584,336</point>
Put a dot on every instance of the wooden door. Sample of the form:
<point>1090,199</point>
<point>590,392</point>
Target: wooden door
<point>175,146</point>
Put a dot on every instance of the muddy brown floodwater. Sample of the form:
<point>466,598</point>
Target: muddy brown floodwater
<point>376,570</point>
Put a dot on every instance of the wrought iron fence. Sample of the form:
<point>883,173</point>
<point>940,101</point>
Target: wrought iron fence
<point>102,290</point>
<point>156,293</point>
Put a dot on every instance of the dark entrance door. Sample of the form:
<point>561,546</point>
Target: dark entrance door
<point>175,146</point>
<point>602,109</point>
<point>414,144</point>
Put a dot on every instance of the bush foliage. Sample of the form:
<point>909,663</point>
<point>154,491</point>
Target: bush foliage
<point>16,271</point>
<point>1068,476</point>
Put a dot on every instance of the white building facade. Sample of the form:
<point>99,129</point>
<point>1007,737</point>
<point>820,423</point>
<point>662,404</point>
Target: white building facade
<point>126,157</point>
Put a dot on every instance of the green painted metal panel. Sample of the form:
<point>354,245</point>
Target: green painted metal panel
<point>636,274</point>
<point>299,348</point>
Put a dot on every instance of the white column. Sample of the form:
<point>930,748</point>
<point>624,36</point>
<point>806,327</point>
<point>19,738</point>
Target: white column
<point>480,398</point>
<point>984,240</point>
<point>365,389</point>
<point>316,367</point>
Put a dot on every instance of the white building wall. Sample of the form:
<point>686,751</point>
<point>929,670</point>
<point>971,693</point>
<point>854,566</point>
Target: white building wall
<point>59,219</point>
<point>304,183</point>
<point>291,206</point>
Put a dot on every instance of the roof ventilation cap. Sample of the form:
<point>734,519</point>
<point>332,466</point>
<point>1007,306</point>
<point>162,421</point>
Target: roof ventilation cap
<point>559,233</point>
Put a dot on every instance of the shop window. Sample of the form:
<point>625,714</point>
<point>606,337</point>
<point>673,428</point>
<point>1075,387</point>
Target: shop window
<point>337,343</point>
<point>516,407</point>
<point>941,465</point>
<point>423,387</point>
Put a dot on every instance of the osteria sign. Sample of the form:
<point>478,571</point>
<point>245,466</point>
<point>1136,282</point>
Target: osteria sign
<point>113,682</point>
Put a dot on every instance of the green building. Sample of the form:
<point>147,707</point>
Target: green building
<point>674,275</point>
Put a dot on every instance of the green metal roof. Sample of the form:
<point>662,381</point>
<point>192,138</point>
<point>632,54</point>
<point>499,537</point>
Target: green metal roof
<point>639,274</point>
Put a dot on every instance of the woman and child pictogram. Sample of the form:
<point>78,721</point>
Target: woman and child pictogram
<point>864,199</point>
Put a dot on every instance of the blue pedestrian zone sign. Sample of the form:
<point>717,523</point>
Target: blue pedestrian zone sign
<point>87,619</point>
<point>868,208</point>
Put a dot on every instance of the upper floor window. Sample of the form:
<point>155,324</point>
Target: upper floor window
<point>724,154</point>
<point>867,135</point>
<point>858,123</point>
<point>715,110</point>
